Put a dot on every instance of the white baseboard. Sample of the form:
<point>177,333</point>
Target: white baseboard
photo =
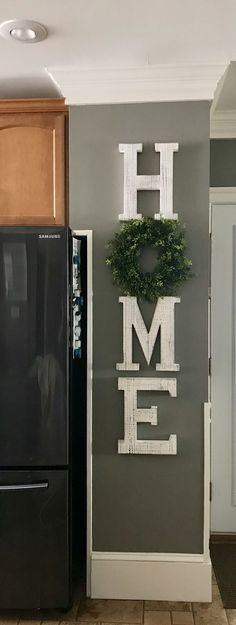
<point>164,577</point>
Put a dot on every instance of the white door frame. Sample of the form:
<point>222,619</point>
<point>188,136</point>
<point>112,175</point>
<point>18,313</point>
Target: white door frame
<point>218,195</point>
<point>89,235</point>
<point>222,195</point>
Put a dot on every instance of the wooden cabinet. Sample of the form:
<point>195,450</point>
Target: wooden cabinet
<point>33,162</point>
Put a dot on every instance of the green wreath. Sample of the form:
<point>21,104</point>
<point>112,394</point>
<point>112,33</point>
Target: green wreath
<point>172,267</point>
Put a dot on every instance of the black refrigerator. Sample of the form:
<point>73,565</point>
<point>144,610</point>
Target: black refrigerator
<point>35,420</point>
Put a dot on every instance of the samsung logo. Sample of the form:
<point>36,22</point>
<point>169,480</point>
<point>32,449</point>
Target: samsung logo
<point>49,236</point>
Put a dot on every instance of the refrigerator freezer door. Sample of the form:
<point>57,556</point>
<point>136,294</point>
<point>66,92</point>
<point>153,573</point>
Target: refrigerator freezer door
<point>34,347</point>
<point>34,539</point>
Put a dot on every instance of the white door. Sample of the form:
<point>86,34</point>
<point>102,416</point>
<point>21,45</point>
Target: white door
<point>223,376</point>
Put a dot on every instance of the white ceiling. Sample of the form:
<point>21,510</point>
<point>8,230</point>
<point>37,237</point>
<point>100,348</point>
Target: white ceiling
<point>102,35</point>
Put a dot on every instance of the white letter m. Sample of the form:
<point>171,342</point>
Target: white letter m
<point>163,319</point>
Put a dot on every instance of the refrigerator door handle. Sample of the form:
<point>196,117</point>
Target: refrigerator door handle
<point>13,487</point>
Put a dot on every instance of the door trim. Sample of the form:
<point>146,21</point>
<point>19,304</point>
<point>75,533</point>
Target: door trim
<point>222,195</point>
<point>207,478</point>
<point>89,235</point>
<point>217,195</point>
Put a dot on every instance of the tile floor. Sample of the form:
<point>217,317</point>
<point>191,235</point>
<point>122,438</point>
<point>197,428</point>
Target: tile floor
<point>111,612</point>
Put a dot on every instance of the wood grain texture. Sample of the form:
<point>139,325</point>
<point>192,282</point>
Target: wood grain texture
<point>166,151</point>
<point>32,168</point>
<point>162,182</point>
<point>163,321</point>
<point>33,105</point>
<point>134,415</point>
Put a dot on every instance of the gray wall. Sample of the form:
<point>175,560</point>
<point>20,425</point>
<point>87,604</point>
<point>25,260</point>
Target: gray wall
<point>145,503</point>
<point>223,163</point>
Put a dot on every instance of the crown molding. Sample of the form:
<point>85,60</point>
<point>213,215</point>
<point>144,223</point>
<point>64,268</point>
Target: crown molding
<point>159,83</point>
<point>33,105</point>
<point>223,125</point>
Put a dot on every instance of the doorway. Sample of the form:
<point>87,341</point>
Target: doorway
<point>223,361</point>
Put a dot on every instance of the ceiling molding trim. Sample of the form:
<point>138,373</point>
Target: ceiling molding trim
<point>219,89</point>
<point>33,105</point>
<point>159,83</point>
<point>223,125</point>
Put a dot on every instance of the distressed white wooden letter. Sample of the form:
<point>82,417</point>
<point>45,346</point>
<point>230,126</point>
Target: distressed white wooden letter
<point>163,321</point>
<point>134,183</point>
<point>166,179</point>
<point>134,415</point>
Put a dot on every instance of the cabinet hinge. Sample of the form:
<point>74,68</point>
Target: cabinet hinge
<point>210,495</point>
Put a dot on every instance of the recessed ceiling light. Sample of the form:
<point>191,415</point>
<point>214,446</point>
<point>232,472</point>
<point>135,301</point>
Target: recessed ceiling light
<point>25,31</point>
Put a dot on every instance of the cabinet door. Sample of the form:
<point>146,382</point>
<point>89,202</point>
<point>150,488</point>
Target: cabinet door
<point>32,168</point>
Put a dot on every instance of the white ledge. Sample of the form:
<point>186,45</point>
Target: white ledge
<point>159,83</point>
